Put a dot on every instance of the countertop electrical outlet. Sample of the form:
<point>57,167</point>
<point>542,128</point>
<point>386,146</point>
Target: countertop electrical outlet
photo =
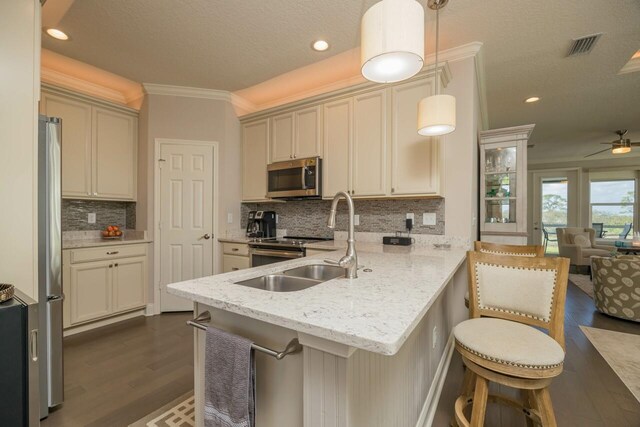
<point>356,220</point>
<point>91,218</point>
<point>229,218</point>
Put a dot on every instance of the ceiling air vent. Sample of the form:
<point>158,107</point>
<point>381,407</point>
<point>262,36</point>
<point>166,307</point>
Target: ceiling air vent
<point>583,45</point>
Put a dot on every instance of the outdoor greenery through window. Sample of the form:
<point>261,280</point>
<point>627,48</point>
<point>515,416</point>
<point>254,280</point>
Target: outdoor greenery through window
<point>612,204</point>
<point>555,194</point>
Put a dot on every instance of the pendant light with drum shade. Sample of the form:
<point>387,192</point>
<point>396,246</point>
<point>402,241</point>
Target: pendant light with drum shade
<point>437,113</point>
<point>392,41</point>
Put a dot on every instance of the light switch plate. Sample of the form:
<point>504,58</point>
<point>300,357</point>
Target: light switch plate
<point>356,220</point>
<point>229,218</point>
<point>429,218</point>
<point>91,218</point>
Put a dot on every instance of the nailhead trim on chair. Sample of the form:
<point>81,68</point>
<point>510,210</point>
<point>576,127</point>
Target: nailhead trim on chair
<point>505,362</point>
<point>500,310</point>
<point>485,251</point>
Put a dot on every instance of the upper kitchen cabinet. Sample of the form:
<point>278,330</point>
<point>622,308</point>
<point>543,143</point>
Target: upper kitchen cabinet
<point>99,146</point>
<point>415,168</point>
<point>296,135</point>
<point>338,137</point>
<point>369,176</point>
<point>255,143</point>
<point>76,149</point>
<point>308,129</point>
<point>115,153</point>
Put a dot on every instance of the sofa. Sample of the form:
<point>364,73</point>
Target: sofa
<point>616,285</point>
<point>579,245</point>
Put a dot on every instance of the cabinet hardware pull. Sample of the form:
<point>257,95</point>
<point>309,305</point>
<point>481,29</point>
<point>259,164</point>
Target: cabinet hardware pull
<point>110,265</point>
<point>235,249</point>
<point>116,264</point>
<point>234,269</point>
<point>207,236</point>
<point>113,252</point>
<point>393,190</point>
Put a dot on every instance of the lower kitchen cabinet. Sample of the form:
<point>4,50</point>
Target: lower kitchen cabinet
<point>234,263</point>
<point>88,291</point>
<point>103,282</point>
<point>235,257</point>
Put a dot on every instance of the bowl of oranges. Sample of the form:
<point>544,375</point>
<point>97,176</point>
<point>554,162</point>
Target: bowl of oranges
<point>112,232</point>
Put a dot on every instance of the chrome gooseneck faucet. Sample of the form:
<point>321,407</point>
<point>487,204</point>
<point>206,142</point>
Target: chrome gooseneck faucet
<point>350,260</point>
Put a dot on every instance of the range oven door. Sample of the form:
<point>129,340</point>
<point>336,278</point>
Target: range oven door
<point>260,256</point>
<point>295,178</point>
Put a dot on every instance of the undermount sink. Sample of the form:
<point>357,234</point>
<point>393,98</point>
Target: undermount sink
<point>295,279</point>
<point>279,283</point>
<point>317,272</point>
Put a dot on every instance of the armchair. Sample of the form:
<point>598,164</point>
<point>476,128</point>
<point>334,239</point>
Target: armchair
<point>579,245</point>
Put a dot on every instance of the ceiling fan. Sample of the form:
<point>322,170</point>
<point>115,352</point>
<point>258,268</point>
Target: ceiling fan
<point>621,145</point>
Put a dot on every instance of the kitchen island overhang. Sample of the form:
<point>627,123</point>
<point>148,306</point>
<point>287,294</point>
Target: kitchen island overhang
<point>388,329</point>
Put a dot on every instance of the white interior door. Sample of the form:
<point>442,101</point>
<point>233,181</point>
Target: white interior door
<point>555,204</point>
<point>186,218</point>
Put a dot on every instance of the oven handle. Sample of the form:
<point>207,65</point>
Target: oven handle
<point>281,254</point>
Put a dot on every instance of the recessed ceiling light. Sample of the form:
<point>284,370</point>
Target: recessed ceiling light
<point>532,99</point>
<point>320,45</point>
<point>57,34</point>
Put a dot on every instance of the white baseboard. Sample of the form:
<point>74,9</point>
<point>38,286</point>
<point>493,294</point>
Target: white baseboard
<point>150,310</point>
<point>433,397</point>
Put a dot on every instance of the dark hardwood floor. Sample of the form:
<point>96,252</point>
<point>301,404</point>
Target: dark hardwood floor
<point>118,374</point>
<point>587,393</point>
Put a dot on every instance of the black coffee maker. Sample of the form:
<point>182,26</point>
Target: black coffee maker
<point>261,224</point>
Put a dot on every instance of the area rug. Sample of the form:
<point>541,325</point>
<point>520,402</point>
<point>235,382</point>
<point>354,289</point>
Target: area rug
<point>620,350</point>
<point>583,282</point>
<point>178,413</point>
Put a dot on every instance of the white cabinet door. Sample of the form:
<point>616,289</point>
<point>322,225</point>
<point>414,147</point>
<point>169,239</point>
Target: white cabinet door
<point>255,142</point>
<point>338,135</point>
<point>129,283</point>
<point>76,148</point>
<point>234,263</point>
<point>90,291</point>
<point>308,138</point>
<point>281,143</point>
<point>370,144</point>
<point>114,154</point>
<point>414,158</point>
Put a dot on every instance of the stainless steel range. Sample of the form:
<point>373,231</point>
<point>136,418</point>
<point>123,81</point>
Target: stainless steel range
<point>269,251</point>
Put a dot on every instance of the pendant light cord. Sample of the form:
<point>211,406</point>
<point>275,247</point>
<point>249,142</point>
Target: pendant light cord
<point>437,45</point>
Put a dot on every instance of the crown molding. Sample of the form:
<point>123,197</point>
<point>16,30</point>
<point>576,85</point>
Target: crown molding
<point>241,105</point>
<point>510,131</point>
<point>185,91</point>
<point>631,67</point>
<point>457,53</point>
<point>57,78</point>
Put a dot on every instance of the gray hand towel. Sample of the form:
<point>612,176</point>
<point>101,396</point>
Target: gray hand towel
<point>229,399</point>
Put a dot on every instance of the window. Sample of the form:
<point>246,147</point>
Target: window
<point>612,204</point>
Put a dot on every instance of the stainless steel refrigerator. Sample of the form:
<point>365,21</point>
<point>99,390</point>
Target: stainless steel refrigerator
<point>50,294</point>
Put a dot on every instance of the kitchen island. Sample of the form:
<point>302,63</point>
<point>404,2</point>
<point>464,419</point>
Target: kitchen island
<point>375,348</point>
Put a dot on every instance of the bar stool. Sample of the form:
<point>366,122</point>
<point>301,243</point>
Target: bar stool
<point>511,250</point>
<point>509,296</point>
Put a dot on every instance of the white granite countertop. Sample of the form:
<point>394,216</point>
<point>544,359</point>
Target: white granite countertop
<point>90,239</point>
<point>375,312</point>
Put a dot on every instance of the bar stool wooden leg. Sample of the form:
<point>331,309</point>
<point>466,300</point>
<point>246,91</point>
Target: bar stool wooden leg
<point>545,407</point>
<point>479,402</point>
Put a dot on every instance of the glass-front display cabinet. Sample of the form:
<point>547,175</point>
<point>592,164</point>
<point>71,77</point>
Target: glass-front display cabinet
<point>503,186</point>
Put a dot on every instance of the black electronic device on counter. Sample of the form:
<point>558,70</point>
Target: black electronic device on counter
<point>397,240</point>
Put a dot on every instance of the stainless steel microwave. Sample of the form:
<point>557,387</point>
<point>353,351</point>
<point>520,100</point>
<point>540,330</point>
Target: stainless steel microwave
<point>298,178</point>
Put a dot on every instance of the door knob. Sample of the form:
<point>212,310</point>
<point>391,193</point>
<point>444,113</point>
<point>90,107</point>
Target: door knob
<point>207,236</point>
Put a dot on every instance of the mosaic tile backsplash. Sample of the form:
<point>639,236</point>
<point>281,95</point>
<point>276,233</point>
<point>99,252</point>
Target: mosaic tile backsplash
<point>309,217</point>
<point>75,212</point>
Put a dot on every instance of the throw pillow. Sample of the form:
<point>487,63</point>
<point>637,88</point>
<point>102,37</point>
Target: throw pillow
<point>581,239</point>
